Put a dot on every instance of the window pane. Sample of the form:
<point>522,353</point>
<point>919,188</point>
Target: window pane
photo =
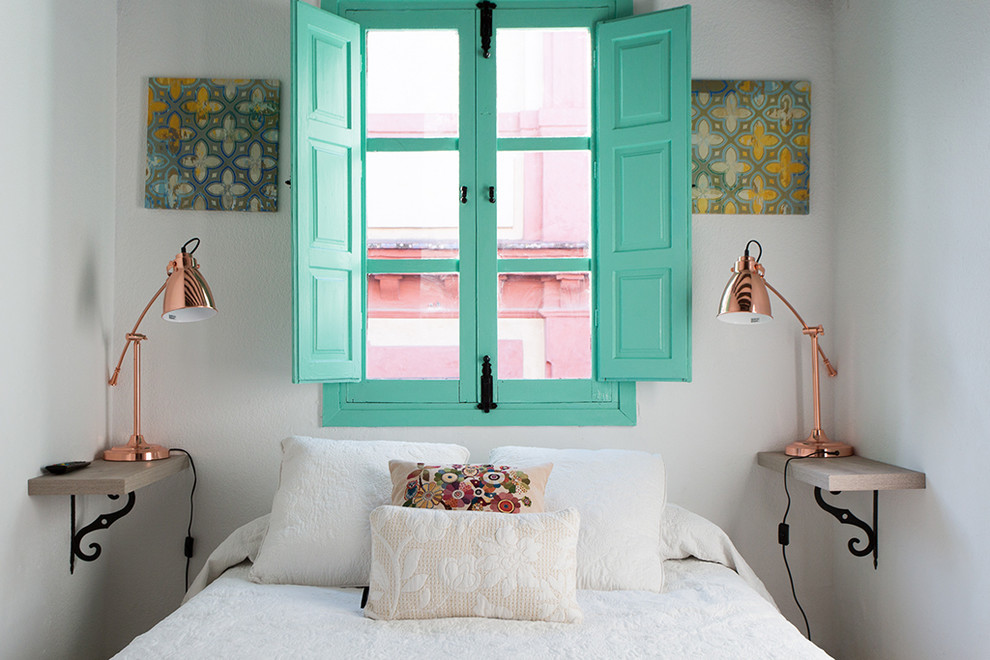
<point>412,83</point>
<point>544,325</point>
<point>544,203</point>
<point>544,82</point>
<point>412,326</point>
<point>412,207</point>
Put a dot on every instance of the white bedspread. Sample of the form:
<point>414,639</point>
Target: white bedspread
<point>707,611</point>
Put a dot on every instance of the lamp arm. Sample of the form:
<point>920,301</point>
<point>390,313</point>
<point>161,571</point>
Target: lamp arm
<point>828,365</point>
<point>116,371</point>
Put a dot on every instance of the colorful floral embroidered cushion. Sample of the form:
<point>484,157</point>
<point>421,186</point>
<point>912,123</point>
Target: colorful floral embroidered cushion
<point>497,488</point>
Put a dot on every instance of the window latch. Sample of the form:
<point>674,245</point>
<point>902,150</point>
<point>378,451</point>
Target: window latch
<point>463,194</point>
<point>491,194</point>
<point>486,8</point>
<point>487,386</point>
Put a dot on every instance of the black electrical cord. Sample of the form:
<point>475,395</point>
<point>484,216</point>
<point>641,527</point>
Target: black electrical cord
<point>783,533</point>
<point>746,253</point>
<point>188,545</point>
<point>195,247</point>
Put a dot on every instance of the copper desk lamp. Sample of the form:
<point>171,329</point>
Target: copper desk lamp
<point>187,299</point>
<point>746,301</point>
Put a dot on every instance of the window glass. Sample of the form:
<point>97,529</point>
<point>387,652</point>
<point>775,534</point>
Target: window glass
<point>412,326</point>
<point>412,83</point>
<point>544,325</point>
<point>544,82</point>
<point>544,203</point>
<point>412,206</point>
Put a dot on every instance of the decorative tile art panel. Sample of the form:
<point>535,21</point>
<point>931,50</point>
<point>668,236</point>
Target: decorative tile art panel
<point>212,144</point>
<point>751,142</point>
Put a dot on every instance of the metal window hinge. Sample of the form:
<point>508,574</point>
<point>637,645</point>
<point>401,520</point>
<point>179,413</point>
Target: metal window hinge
<point>487,386</point>
<point>486,8</point>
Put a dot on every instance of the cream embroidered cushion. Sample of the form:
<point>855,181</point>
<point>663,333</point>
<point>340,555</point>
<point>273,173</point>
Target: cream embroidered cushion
<point>319,534</point>
<point>620,495</point>
<point>433,563</point>
<point>497,488</point>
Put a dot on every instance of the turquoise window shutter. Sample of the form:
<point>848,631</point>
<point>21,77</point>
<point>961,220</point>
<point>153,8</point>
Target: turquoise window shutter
<point>326,197</point>
<point>644,201</point>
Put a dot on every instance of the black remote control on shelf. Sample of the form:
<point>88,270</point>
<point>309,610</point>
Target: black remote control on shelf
<point>62,468</point>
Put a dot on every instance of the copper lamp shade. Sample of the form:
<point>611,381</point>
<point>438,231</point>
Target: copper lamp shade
<point>187,295</point>
<point>745,301</point>
<point>187,299</point>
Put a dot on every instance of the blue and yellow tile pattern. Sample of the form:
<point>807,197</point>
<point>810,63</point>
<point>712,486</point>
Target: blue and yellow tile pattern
<point>212,144</point>
<point>751,143</point>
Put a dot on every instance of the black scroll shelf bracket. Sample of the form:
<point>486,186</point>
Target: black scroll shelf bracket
<point>102,522</point>
<point>856,545</point>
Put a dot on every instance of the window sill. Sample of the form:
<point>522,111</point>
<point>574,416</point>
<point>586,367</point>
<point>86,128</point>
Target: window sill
<point>339,412</point>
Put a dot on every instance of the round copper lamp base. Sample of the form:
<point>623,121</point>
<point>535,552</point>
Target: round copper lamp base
<point>823,449</point>
<point>136,450</point>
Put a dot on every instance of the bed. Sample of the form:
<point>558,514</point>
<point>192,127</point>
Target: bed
<point>708,604</point>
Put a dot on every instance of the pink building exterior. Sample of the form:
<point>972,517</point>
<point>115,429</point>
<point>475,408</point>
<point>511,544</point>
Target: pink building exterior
<point>544,198</point>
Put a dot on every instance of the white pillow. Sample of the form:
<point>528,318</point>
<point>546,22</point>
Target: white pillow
<point>319,533</point>
<point>432,563</point>
<point>620,495</point>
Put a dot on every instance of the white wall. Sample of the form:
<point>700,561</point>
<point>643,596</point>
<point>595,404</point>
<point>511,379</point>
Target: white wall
<point>899,143</point>
<point>910,251</point>
<point>56,214</point>
<point>222,390</point>
<point>752,385</point>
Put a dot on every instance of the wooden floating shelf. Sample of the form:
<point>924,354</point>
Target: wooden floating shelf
<point>845,473</point>
<point>108,477</point>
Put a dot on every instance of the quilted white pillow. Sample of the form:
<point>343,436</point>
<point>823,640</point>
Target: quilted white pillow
<point>433,563</point>
<point>620,495</point>
<point>319,533</point>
